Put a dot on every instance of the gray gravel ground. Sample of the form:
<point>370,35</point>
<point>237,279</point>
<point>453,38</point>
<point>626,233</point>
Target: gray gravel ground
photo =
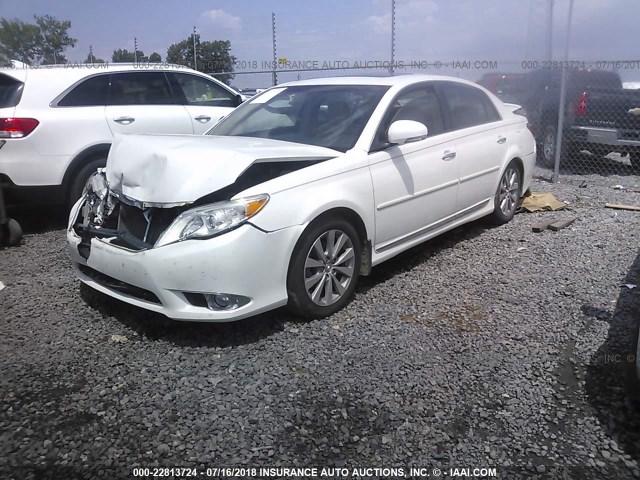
<point>487,347</point>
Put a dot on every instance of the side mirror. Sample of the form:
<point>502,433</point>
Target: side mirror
<point>406,131</point>
<point>240,99</point>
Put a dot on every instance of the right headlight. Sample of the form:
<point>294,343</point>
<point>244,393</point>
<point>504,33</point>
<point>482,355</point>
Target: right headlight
<point>211,220</point>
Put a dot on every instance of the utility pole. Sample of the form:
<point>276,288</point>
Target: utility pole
<point>275,58</point>
<point>195,60</point>
<point>91,58</point>
<point>393,35</point>
<point>563,92</point>
<point>550,30</point>
<point>135,49</point>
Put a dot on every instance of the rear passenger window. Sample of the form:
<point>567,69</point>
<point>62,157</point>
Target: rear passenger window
<point>10,91</point>
<point>200,91</point>
<point>90,92</point>
<point>469,106</point>
<point>140,88</point>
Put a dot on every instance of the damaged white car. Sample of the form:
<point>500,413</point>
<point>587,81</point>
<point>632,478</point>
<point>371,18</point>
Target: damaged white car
<point>295,194</point>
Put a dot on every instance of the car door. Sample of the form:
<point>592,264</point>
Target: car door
<point>481,142</point>
<point>415,184</point>
<point>205,101</point>
<point>142,102</point>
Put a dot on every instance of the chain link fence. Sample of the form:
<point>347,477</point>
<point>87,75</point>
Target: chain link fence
<point>600,128</point>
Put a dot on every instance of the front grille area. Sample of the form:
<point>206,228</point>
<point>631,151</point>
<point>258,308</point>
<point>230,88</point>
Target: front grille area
<point>119,286</point>
<point>141,229</point>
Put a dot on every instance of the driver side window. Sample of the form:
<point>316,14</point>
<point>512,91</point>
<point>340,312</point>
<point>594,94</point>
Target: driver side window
<point>420,104</point>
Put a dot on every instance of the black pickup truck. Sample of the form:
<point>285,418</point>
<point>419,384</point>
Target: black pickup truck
<point>600,116</point>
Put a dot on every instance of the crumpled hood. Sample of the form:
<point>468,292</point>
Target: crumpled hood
<point>179,169</point>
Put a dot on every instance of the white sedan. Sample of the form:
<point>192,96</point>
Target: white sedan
<point>295,194</point>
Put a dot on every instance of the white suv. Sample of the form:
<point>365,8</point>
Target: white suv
<point>57,123</point>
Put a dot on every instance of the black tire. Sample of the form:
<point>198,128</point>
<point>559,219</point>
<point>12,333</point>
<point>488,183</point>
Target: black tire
<point>509,191</point>
<point>300,301</point>
<point>547,147</point>
<point>11,234</point>
<point>80,179</point>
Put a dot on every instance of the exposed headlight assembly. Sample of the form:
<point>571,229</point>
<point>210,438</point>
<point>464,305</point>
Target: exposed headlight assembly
<point>211,220</point>
<point>98,203</point>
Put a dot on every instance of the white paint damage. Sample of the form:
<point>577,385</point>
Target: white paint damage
<point>179,169</point>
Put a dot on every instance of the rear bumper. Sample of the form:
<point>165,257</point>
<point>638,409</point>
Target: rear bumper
<point>601,136</point>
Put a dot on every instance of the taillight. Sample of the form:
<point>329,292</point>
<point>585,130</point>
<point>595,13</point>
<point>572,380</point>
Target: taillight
<point>531,128</point>
<point>17,127</point>
<point>581,105</point>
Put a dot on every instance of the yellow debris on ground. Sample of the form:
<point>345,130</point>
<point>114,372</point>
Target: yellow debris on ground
<point>539,201</point>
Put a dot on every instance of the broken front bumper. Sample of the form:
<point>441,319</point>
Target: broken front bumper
<point>246,262</point>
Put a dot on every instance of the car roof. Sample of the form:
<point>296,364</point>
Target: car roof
<point>74,71</point>
<point>395,81</point>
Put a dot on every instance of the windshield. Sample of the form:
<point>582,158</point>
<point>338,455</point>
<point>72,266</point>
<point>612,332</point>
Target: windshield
<point>331,116</point>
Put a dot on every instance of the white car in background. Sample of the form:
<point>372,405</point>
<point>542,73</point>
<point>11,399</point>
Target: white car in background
<point>57,123</point>
<point>295,194</point>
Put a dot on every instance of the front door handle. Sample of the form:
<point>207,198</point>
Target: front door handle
<point>203,118</point>
<point>124,120</point>
<point>502,139</point>
<point>448,155</point>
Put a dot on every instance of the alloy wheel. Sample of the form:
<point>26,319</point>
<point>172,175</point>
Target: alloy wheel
<point>329,267</point>
<point>549,146</point>
<point>509,190</point>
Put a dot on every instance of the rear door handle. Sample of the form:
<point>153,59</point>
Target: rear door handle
<point>502,139</point>
<point>124,120</point>
<point>448,155</point>
<point>203,118</point>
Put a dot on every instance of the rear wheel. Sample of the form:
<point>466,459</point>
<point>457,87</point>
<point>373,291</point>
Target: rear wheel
<point>507,195</point>
<point>547,152</point>
<point>80,180</point>
<point>324,268</point>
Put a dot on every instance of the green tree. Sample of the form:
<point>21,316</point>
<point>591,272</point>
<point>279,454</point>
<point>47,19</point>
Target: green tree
<point>91,58</point>
<point>155,57</point>
<point>18,41</point>
<point>43,42</point>
<point>211,56</point>
<point>54,39</point>
<point>122,55</point>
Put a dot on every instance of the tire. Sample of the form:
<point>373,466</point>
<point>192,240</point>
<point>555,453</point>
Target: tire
<point>80,179</point>
<point>319,284</point>
<point>11,234</point>
<point>547,147</point>
<point>507,195</point>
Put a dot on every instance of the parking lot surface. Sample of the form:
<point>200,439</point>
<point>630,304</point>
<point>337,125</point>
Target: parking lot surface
<point>489,346</point>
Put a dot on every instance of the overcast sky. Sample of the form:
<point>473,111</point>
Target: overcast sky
<point>354,30</point>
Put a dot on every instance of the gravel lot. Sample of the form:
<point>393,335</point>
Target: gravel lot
<point>486,347</point>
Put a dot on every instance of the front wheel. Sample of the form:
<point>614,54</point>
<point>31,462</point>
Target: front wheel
<point>507,195</point>
<point>324,268</point>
